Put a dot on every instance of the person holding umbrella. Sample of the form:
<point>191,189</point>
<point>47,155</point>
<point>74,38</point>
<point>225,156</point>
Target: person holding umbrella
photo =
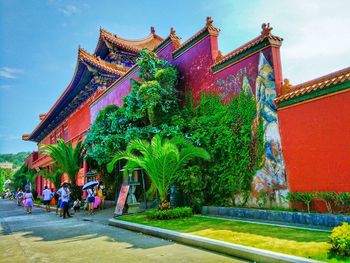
<point>91,195</point>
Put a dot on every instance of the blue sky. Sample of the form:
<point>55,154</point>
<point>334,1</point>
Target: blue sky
<point>39,41</point>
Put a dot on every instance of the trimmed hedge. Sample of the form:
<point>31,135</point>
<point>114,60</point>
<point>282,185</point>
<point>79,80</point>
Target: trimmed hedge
<point>179,212</point>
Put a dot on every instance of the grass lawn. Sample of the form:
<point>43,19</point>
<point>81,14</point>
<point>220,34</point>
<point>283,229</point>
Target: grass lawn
<point>303,243</point>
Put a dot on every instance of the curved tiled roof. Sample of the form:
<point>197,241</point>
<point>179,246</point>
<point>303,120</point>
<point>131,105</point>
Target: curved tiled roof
<point>265,34</point>
<point>101,64</point>
<point>150,42</point>
<point>84,59</point>
<point>289,91</point>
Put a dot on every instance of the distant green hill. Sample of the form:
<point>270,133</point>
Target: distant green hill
<point>17,159</point>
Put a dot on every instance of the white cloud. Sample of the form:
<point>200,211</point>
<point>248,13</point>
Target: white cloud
<point>10,73</point>
<point>316,34</point>
<point>69,10</point>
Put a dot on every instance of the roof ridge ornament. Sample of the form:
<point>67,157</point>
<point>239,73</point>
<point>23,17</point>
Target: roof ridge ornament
<point>286,86</point>
<point>210,27</point>
<point>266,29</point>
<point>209,21</point>
<point>153,30</point>
<point>174,38</point>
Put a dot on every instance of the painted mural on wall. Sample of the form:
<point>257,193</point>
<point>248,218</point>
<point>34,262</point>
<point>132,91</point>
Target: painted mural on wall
<point>271,178</point>
<point>233,84</point>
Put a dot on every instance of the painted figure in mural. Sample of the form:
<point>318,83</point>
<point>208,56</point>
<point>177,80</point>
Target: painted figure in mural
<point>271,177</point>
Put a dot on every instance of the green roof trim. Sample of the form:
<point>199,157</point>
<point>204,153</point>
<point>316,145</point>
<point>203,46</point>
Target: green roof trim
<point>245,53</point>
<point>191,43</point>
<point>316,94</point>
<point>162,45</point>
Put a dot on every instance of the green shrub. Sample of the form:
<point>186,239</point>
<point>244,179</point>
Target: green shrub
<point>179,212</point>
<point>329,198</point>
<point>342,200</point>
<point>191,181</point>
<point>305,198</point>
<point>39,201</point>
<point>340,240</point>
<point>261,199</point>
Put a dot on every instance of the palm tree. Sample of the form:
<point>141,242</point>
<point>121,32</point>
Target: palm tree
<point>161,159</point>
<point>54,176</point>
<point>68,159</point>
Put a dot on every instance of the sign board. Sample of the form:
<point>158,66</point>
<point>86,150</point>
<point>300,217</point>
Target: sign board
<point>121,200</point>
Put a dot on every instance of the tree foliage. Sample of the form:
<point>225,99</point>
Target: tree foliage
<point>54,176</point>
<point>5,174</point>
<point>19,179</point>
<point>232,133</point>
<point>147,110</point>
<point>17,159</point>
<point>160,159</point>
<point>69,160</point>
<point>233,136</point>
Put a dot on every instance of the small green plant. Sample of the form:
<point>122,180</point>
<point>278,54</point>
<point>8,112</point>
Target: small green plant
<point>342,200</point>
<point>329,199</point>
<point>261,199</point>
<point>340,240</point>
<point>179,212</point>
<point>303,197</point>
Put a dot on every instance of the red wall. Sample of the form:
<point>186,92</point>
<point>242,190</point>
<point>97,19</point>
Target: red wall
<point>196,74</point>
<point>316,144</point>
<point>78,122</point>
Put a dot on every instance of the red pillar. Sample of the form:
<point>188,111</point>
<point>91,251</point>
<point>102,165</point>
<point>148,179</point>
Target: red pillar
<point>277,67</point>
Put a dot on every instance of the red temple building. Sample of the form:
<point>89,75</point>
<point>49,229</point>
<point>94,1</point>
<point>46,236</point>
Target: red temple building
<point>306,127</point>
<point>69,118</point>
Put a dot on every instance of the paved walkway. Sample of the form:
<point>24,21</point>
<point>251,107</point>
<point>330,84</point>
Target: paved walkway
<point>45,237</point>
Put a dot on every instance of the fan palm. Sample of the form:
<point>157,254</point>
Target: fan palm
<point>160,158</point>
<point>67,157</point>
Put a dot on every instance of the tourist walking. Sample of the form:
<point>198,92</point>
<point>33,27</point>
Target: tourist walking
<point>102,194</point>
<point>19,197</point>
<point>57,197</point>
<point>65,199</point>
<point>91,200</point>
<point>47,198</point>
<point>59,202</point>
<point>28,203</point>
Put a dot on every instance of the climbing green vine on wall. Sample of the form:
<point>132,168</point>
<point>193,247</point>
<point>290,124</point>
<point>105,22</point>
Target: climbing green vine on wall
<point>233,135</point>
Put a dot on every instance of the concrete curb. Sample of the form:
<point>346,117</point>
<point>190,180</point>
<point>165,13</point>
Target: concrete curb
<point>244,252</point>
<point>52,208</point>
